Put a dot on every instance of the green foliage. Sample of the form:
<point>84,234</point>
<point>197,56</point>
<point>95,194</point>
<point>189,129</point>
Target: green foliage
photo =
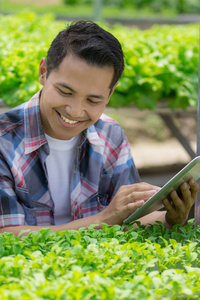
<point>178,6</point>
<point>153,263</point>
<point>24,40</point>
<point>77,2</point>
<point>111,8</point>
<point>161,63</point>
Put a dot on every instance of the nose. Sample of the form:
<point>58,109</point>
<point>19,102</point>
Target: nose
<point>75,109</point>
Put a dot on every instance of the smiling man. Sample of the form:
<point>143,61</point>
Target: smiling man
<point>74,97</point>
<point>63,163</point>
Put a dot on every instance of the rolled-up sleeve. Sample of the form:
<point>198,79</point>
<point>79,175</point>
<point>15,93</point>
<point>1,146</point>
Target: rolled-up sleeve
<point>11,211</point>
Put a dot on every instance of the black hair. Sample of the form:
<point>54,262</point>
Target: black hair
<point>90,42</point>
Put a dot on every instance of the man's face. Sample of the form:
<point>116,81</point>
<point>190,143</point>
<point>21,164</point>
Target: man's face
<point>73,96</point>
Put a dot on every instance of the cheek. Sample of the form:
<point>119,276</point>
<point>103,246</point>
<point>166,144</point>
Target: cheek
<point>51,101</point>
<point>95,114</point>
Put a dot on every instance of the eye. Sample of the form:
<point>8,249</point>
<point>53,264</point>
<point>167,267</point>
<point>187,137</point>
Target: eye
<point>93,102</point>
<point>64,93</point>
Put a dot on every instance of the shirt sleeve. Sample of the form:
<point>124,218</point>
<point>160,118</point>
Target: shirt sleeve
<point>11,211</point>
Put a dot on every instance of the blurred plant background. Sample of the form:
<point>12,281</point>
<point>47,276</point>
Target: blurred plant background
<point>161,62</point>
<point>110,8</point>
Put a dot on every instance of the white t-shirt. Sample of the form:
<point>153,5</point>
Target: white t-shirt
<point>59,167</point>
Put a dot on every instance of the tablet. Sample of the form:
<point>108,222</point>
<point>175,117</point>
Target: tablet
<point>191,170</point>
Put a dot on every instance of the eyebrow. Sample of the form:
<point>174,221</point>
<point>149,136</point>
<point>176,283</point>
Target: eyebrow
<point>64,85</point>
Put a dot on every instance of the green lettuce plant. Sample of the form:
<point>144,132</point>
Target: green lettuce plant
<point>111,263</point>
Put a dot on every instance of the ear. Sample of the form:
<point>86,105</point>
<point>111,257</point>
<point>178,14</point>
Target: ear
<point>112,91</point>
<point>42,71</point>
<point>113,88</point>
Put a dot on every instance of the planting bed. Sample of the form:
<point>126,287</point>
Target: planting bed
<point>111,263</point>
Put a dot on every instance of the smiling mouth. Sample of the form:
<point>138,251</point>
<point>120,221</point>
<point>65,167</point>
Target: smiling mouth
<point>67,120</point>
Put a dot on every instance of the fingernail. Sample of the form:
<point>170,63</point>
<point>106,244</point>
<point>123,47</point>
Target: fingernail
<point>186,186</point>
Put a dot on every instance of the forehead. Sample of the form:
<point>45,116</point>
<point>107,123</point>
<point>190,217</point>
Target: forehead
<point>77,71</point>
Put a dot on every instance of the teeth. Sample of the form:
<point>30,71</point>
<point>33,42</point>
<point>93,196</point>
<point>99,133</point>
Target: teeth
<point>68,121</point>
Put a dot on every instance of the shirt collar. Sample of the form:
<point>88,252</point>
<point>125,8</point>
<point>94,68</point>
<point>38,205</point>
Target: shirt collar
<point>34,134</point>
<point>93,136</point>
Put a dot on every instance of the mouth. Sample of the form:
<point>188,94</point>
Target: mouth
<point>66,120</point>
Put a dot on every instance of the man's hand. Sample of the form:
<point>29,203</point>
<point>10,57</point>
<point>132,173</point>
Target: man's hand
<point>127,200</point>
<point>179,206</point>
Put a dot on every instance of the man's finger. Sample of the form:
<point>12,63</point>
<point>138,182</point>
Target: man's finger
<point>177,202</point>
<point>137,187</point>
<point>168,206</point>
<point>194,188</point>
<point>136,196</point>
<point>133,206</point>
<point>186,195</point>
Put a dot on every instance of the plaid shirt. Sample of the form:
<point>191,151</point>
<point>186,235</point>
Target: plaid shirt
<point>103,163</point>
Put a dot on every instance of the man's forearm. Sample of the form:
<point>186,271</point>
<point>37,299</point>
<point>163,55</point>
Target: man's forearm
<point>85,222</point>
<point>153,217</point>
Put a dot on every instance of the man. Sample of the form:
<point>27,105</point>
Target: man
<point>63,163</point>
